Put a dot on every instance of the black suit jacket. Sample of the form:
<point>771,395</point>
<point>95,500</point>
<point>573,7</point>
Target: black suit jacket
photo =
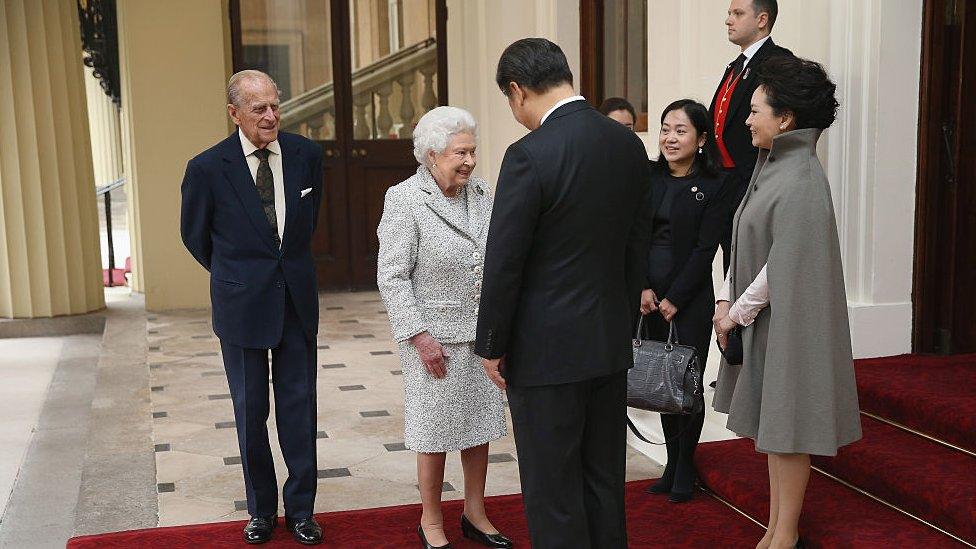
<point>224,227</point>
<point>566,254</point>
<point>738,140</point>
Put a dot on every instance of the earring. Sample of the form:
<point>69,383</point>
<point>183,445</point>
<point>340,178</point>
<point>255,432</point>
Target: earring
<point>699,150</point>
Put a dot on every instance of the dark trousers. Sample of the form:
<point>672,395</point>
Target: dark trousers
<point>682,432</point>
<point>741,185</point>
<point>293,374</point>
<point>571,440</point>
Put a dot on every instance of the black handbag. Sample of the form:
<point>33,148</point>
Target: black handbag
<point>665,377</point>
<point>733,347</point>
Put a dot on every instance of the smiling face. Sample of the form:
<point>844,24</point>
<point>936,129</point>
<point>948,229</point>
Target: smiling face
<point>745,26</point>
<point>763,122</point>
<point>257,114</point>
<point>679,141</point>
<point>453,166</point>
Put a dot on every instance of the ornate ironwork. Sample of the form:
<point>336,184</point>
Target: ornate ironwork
<point>100,43</point>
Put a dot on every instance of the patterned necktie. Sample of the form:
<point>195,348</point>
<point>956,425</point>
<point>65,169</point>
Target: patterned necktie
<point>265,186</point>
<point>738,64</point>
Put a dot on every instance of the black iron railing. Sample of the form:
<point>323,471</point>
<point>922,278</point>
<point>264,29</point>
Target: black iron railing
<point>106,191</point>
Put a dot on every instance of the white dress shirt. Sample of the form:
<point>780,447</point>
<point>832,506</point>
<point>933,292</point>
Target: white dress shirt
<point>274,160</point>
<point>750,52</point>
<point>560,104</point>
<point>752,301</point>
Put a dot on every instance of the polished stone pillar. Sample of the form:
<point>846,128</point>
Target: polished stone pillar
<point>174,59</point>
<point>49,257</point>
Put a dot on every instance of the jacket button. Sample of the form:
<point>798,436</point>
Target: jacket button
<point>772,159</point>
<point>476,255</point>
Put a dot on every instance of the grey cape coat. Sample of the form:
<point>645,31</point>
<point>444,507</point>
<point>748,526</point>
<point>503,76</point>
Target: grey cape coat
<point>795,391</point>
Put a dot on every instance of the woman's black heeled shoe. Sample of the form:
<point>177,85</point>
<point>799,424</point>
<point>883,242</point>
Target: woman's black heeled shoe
<point>426,544</point>
<point>660,487</point>
<point>488,540</point>
<point>681,497</point>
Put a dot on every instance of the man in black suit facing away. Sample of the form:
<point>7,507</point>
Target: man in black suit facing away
<point>749,23</point>
<point>566,254</point>
<point>249,208</point>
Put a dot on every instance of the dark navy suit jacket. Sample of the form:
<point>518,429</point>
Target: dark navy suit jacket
<point>224,227</point>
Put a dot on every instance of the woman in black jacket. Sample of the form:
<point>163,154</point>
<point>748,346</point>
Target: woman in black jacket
<point>693,206</point>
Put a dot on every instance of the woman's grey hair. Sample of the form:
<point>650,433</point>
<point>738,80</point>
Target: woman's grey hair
<point>234,92</point>
<point>434,130</point>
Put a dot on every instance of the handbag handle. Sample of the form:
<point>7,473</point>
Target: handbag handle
<point>672,333</point>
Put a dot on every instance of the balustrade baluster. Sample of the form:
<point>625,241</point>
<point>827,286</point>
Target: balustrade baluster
<point>407,110</point>
<point>384,121</point>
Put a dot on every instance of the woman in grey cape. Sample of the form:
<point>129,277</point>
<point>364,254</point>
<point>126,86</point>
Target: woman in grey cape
<point>794,393</point>
<point>432,240</point>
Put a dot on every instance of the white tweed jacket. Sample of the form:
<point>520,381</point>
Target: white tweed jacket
<point>430,260</point>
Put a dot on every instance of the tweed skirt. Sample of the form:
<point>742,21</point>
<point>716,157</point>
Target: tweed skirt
<point>459,411</point>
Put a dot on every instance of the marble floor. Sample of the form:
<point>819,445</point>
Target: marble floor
<point>361,459</point>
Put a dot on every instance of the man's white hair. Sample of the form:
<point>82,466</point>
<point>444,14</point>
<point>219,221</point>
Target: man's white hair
<point>434,130</point>
<point>234,92</point>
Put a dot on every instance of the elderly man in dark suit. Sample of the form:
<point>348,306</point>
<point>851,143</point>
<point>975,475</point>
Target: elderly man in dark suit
<point>250,204</point>
<point>564,264</point>
<point>749,24</point>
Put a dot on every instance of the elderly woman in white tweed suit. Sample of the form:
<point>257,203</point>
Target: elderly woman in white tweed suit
<point>432,241</point>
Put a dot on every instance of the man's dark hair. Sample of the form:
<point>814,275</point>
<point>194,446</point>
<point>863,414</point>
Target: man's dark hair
<point>707,161</point>
<point>611,104</point>
<point>799,86</point>
<point>770,7</point>
<point>533,63</point>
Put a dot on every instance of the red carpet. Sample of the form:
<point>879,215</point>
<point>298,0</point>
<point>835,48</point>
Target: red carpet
<point>932,394</point>
<point>833,515</point>
<point>927,479</point>
<point>652,522</point>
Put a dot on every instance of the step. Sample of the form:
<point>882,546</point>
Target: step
<point>926,479</point>
<point>930,394</point>
<point>833,514</point>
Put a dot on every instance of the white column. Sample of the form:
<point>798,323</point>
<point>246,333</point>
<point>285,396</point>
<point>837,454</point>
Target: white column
<point>49,262</point>
<point>875,52</point>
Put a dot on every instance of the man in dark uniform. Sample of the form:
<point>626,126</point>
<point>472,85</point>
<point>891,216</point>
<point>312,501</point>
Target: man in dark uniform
<point>749,25</point>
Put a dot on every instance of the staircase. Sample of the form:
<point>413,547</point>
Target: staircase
<point>910,482</point>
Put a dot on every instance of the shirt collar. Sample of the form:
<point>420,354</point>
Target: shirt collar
<point>750,52</point>
<point>249,147</point>
<point>560,104</point>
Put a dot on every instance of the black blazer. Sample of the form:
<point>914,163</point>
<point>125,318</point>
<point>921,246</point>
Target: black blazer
<point>566,254</point>
<point>225,229</point>
<point>696,228</point>
<point>738,140</point>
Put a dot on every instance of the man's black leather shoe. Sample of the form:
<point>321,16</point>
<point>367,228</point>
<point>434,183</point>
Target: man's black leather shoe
<point>471,532</point>
<point>306,531</point>
<point>259,529</point>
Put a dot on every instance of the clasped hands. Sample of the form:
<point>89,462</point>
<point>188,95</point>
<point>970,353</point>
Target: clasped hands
<point>649,304</point>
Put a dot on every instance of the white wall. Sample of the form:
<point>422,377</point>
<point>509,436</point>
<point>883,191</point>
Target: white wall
<point>477,33</point>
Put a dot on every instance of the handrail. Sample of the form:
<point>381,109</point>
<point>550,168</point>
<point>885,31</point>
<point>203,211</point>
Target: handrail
<point>109,187</point>
<point>315,101</point>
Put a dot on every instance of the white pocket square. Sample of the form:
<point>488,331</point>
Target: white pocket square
<point>305,191</point>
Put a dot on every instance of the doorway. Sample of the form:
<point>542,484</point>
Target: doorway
<point>944,294</point>
<point>355,76</point>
